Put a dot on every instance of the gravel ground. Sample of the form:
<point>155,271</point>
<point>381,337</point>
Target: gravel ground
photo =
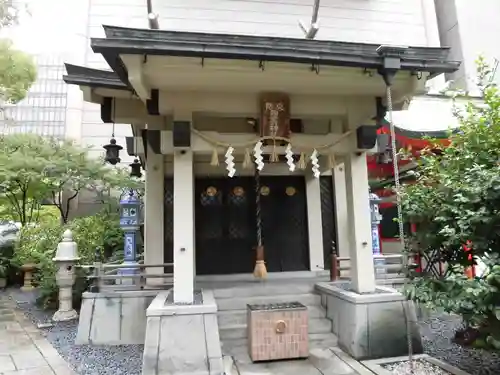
<point>85,359</point>
<point>419,368</point>
<point>437,332</point>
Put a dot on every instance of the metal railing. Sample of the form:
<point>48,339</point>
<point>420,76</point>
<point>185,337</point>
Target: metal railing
<point>107,277</point>
<point>388,266</point>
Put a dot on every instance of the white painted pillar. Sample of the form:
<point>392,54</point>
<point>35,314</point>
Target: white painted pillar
<point>153,216</point>
<point>183,226</point>
<point>314,221</point>
<point>362,270</point>
<point>341,216</point>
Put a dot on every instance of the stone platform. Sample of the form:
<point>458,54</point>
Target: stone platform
<point>370,326</point>
<point>114,318</point>
<point>182,339</point>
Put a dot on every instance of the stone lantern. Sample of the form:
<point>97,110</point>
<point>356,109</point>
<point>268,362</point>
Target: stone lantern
<point>130,216</point>
<point>65,259</point>
<point>376,218</point>
<point>112,152</point>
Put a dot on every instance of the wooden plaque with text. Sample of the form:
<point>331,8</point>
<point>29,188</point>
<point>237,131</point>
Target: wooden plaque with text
<point>275,115</point>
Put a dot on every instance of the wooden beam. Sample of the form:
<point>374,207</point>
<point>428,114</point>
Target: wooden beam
<point>247,104</point>
<point>134,65</point>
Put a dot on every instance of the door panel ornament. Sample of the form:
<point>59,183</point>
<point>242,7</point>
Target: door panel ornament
<point>264,190</point>
<point>239,191</point>
<point>290,191</point>
<point>211,191</point>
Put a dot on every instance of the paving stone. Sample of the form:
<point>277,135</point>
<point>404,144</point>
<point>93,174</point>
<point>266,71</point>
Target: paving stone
<point>47,350</point>
<point>63,370</point>
<point>6,363</point>
<point>28,358</point>
<point>43,370</point>
<point>24,350</point>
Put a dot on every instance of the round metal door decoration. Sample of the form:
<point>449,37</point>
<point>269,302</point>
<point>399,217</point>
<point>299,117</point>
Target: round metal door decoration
<point>290,191</point>
<point>211,191</point>
<point>264,190</point>
<point>238,191</point>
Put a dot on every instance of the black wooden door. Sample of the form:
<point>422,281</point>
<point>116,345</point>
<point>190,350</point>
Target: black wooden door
<point>284,223</point>
<point>328,218</point>
<point>226,224</point>
<point>168,224</point>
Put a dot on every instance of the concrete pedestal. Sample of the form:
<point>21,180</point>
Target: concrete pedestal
<point>113,318</point>
<point>182,339</point>
<point>370,326</point>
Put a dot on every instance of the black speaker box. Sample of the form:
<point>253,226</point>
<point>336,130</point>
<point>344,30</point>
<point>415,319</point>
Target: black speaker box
<point>182,134</point>
<point>152,105</point>
<point>366,137</point>
<point>107,110</point>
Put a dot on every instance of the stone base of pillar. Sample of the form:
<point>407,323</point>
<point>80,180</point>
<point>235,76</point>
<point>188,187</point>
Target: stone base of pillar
<point>63,316</point>
<point>182,339</point>
<point>114,318</point>
<point>371,326</point>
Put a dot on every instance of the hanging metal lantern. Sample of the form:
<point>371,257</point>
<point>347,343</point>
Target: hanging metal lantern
<point>135,169</point>
<point>112,152</point>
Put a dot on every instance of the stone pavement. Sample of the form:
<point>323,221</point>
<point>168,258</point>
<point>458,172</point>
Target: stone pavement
<point>23,349</point>
<point>321,361</point>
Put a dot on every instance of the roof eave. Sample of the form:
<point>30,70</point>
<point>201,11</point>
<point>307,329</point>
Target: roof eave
<point>111,48</point>
<point>94,78</point>
<point>94,83</point>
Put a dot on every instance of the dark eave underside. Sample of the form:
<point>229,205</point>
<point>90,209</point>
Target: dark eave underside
<point>120,40</point>
<point>95,78</point>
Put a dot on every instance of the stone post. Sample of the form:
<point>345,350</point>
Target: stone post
<point>65,259</point>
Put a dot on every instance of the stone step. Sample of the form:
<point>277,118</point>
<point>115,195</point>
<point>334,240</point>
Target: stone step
<point>308,299</point>
<point>321,325</point>
<point>323,340</point>
<point>235,317</point>
<point>265,289</point>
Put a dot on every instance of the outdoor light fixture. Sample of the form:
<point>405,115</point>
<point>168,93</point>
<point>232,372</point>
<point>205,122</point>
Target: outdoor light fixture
<point>112,152</point>
<point>135,169</point>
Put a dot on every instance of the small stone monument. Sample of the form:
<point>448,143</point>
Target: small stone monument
<point>65,259</point>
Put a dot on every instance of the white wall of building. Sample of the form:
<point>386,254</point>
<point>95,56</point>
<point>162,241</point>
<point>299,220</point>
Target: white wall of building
<point>470,28</point>
<point>371,21</point>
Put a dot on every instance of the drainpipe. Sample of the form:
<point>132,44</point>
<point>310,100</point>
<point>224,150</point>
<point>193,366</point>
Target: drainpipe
<point>152,17</point>
<point>391,56</point>
<point>311,31</point>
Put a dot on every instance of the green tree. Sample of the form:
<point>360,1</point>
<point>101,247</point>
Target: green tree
<point>455,202</point>
<point>17,69</point>
<point>36,169</point>
<point>23,159</point>
<point>9,13</point>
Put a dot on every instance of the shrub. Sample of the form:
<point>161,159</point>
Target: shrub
<point>455,202</point>
<point>38,244</point>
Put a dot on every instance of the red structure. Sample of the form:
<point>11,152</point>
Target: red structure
<point>382,176</point>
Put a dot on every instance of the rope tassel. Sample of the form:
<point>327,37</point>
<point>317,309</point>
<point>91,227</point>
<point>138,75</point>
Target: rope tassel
<point>260,270</point>
<point>302,161</point>
<point>214,162</point>
<point>247,161</point>
<point>331,161</point>
<point>274,155</point>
